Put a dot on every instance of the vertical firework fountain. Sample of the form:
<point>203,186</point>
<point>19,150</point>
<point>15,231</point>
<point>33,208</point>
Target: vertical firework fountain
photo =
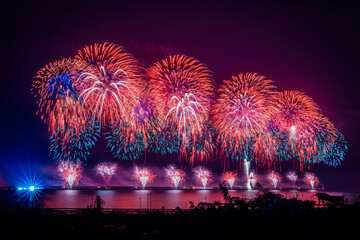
<point>203,176</point>
<point>174,175</point>
<point>144,176</point>
<point>275,178</point>
<point>247,171</point>
<point>70,172</point>
<point>311,179</point>
<point>253,179</point>
<point>230,178</point>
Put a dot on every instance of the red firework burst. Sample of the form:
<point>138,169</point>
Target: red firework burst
<point>175,176</point>
<point>52,83</point>
<point>70,172</point>
<point>299,119</point>
<point>274,178</point>
<point>144,176</point>
<point>230,177</point>
<point>311,179</point>
<point>242,112</point>
<point>109,81</point>
<point>203,176</point>
<point>181,88</point>
<point>60,107</point>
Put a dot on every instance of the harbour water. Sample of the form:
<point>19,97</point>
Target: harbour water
<point>148,199</point>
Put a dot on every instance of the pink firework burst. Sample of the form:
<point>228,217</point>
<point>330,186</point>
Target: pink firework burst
<point>230,177</point>
<point>175,176</point>
<point>70,172</point>
<point>106,170</point>
<point>203,176</point>
<point>275,178</point>
<point>292,176</point>
<point>144,176</point>
<point>311,179</point>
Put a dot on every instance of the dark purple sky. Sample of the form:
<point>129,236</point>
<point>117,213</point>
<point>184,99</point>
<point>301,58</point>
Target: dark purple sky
<point>311,47</point>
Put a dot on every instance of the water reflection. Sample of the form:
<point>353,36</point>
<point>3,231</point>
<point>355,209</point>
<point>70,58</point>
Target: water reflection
<point>29,197</point>
<point>146,199</point>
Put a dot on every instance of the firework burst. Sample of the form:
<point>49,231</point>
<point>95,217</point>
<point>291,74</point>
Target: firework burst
<point>71,133</point>
<point>106,170</point>
<point>242,112</point>
<point>53,82</point>
<point>70,172</point>
<point>181,88</point>
<point>230,177</point>
<point>108,81</point>
<point>203,176</point>
<point>292,176</point>
<point>308,135</point>
<point>144,176</point>
<point>175,176</point>
<point>298,118</point>
<point>274,178</point>
<point>311,179</point>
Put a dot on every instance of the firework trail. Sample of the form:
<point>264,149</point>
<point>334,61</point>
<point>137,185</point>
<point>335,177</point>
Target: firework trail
<point>106,170</point>
<point>292,176</point>
<point>203,176</point>
<point>311,179</point>
<point>275,178</point>
<point>241,115</point>
<point>108,81</point>
<point>181,89</point>
<point>144,176</point>
<point>252,179</point>
<point>175,176</point>
<point>70,172</point>
<point>230,178</point>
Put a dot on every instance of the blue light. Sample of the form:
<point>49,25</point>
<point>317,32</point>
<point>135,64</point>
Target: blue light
<point>32,188</point>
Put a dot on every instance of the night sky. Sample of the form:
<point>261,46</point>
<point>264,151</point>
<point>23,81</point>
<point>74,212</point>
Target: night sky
<point>311,47</point>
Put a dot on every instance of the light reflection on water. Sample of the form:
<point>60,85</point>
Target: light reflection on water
<point>160,198</point>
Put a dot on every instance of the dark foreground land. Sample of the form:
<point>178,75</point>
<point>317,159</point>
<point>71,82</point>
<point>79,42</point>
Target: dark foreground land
<point>269,216</point>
